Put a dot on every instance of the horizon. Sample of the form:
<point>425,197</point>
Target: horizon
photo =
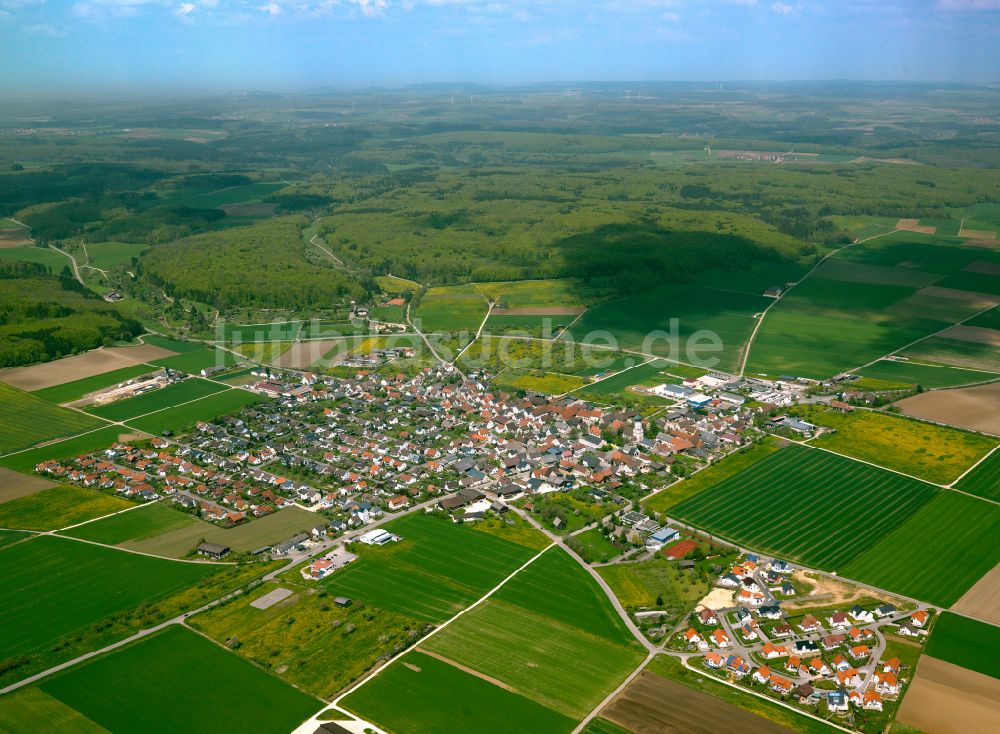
<point>163,46</point>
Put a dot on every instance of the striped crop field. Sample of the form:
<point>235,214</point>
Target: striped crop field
<point>807,505</point>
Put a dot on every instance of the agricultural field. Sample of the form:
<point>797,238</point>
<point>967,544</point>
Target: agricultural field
<point>557,587</point>
<point>142,523</point>
<point>96,689</point>
<point>944,697</point>
<point>30,711</point>
<point>306,639</point>
<point>647,373</point>
<point>70,391</point>
<point>270,332</point>
<point>923,374</point>
<point>807,505</point>
<point>641,584</point>
<point>937,554</point>
<point>14,485</point>
<point>26,461</point>
<point>243,538</point>
<point>438,569</point>
<point>194,362</point>
<point>264,352</point>
<point>393,285</point>
<point>544,326</point>
<point>28,420</point>
<point>395,314</point>
<point>451,309</point>
<point>930,452</point>
<point>172,345</point>
<point>58,507</point>
<point>867,301</point>
<point>207,408</point>
<point>965,642</point>
<point>528,652</point>
<point>984,480</point>
<point>91,582</point>
<point>729,466</point>
<point>596,547</point>
<point>553,294</point>
<point>165,397</point>
<point>643,320</point>
<point>975,408</point>
<point>31,254</point>
<point>420,693</point>
<point>108,255</point>
<point>550,383</point>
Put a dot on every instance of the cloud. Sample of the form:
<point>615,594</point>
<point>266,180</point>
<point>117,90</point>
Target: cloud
<point>44,29</point>
<point>782,8</point>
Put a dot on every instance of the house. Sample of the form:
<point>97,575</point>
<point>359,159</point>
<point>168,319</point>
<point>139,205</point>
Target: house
<point>809,623</point>
<point>891,665</point>
<point>860,614</point>
<point>707,616</point>
<point>692,636</point>
<point>860,652</point>
<point>720,638</point>
<point>772,611</point>
<point>771,651</point>
<point>836,701</point>
<point>748,633</point>
<point>781,685</point>
<point>320,568</point>
<point>838,620</point>
<point>832,642</point>
<point>713,660</point>
<point>342,601</point>
<point>841,663</point>
<point>782,630</point>
<point>806,694</point>
<point>213,550</point>
<point>737,665</point>
<point>848,677</point>
<point>885,610</point>
<point>886,683</point>
<point>806,647</point>
<point>872,701</point>
<point>818,667</point>
<point>919,619</point>
<point>762,674</point>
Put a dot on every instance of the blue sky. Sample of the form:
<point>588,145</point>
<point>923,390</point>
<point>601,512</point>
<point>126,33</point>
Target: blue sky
<point>66,46</point>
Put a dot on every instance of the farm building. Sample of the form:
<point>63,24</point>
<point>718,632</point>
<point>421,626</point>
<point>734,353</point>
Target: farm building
<point>213,550</point>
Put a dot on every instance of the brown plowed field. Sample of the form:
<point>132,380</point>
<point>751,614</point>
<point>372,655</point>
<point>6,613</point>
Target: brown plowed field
<point>973,334</point>
<point>946,699</point>
<point>654,705</point>
<point>301,355</point>
<point>77,367</point>
<point>983,267</point>
<point>14,485</point>
<point>983,599</point>
<point>977,408</point>
<point>914,225</point>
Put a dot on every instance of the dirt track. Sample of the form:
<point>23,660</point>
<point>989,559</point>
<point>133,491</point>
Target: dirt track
<point>946,699</point>
<point>977,408</point>
<point>983,599</point>
<point>654,705</point>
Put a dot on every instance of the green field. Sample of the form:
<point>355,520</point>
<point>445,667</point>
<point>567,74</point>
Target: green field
<point>711,475</point>
<point>30,711</point>
<point>531,653</point>
<point>538,293</point>
<point>550,383</point>
<point>26,461</point>
<point>451,309</point>
<point>926,375</point>
<point>58,507</point>
<point>11,536</point>
<point>966,643</point>
<point>305,638</point>
<point>527,324</point>
<point>107,255</point>
<point>807,505</point>
<point>617,385</point>
<point>988,320</point>
<point>165,397</point>
<point>419,693</point>
<point>194,362</point>
<point>934,453</point>
<point>641,584</point>
<point>559,588</point>
<point>98,689</point>
<point>56,586</point>
<point>642,322</point>
<point>273,331</point>
<point>438,568</point>
<point>596,546</point>
<point>392,314</point>
<point>26,420</point>
<point>243,538</point>
<point>984,480</point>
<point>392,284</point>
<point>142,523</point>
<point>69,391</point>
<point>174,345</point>
<point>937,554</point>
<point>230,195</point>
<point>41,255</point>
<point>867,301</point>
<point>205,409</point>
<point>971,355</point>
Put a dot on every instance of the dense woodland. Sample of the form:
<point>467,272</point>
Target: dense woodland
<point>620,191</point>
<point>43,316</point>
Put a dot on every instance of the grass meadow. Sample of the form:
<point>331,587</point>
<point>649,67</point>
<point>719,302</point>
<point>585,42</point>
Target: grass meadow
<point>141,523</point>
<point>419,693</point>
<point>984,480</point>
<point>451,309</point>
<point>965,642</point>
<point>934,453</point>
<point>56,586</point>
<point>640,584</point>
<point>926,375</point>
<point>159,685</point>
<point>204,409</point>
<point>551,383</point>
<point>937,554</point>
<point>26,461</point>
<point>435,571</point>
<point>531,653</point>
<point>69,391</point>
<point>58,507</point>
<point>31,711</point>
<point>194,362</point>
<point>808,505</point>
<point>26,420</point>
<point>165,397</point>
